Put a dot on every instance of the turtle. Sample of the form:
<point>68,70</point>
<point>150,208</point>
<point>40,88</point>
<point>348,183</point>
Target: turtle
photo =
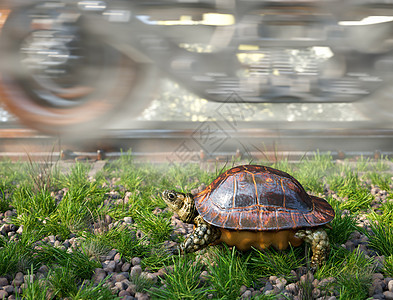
<point>253,206</point>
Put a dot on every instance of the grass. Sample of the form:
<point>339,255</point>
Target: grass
<point>48,202</point>
<point>383,181</point>
<point>354,196</point>
<point>15,256</point>
<point>342,225</point>
<point>60,283</point>
<point>381,235</point>
<point>388,266</point>
<point>227,272</point>
<point>352,270</point>
<point>182,281</point>
<point>355,276</point>
<point>35,289</point>
<point>271,262</point>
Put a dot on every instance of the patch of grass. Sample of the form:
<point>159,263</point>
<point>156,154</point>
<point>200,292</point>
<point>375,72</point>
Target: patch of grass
<point>355,276</point>
<point>78,175</point>
<point>76,262</point>
<point>227,272</point>
<point>74,211</point>
<point>348,186</point>
<point>4,201</point>
<point>342,226</point>
<point>40,212</point>
<point>35,289</point>
<point>94,248</point>
<point>158,257</point>
<point>93,291</point>
<point>44,174</point>
<point>387,213</point>
<point>352,270</point>
<point>157,228</point>
<point>12,174</point>
<point>142,283</point>
<point>382,164</point>
<point>63,281</point>
<point>40,204</point>
<point>182,281</point>
<point>122,239</point>
<point>283,165</point>
<point>381,238</point>
<point>15,256</point>
<point>363,164</point>
<point>388,266</point>
<point>274,262</point>
<point>383,181</point>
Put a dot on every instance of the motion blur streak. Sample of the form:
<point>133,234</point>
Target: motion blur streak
<point>76,66</point>
<point>3,16</point>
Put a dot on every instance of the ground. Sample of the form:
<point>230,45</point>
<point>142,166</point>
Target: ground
<point>90,230</point>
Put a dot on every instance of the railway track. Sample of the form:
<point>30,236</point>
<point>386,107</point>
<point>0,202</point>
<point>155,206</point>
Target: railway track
<point>206,141</point>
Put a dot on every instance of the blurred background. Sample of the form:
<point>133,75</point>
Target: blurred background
<point>191,76</point>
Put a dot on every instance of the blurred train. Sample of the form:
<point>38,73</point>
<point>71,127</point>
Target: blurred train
<point>75,65</point>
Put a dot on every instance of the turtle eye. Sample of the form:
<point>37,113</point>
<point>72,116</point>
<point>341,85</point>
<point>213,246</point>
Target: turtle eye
<point>171,196</point>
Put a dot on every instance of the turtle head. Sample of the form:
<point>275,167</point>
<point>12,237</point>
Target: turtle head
<point>182,204</point>
<point>173,199</point>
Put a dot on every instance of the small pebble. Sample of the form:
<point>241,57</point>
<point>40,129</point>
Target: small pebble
<point>135,261</point>
<point>316,293</point>
<point>110,267</point>
<point>3,281</point>
<point>136,271</point>
<point>121,286</point>
<point>117,258</point>
<point>388,295</point>
<point>281,282</point>
<point>29,278</point>
<point>128,220</point>
<point>375,288</point>
<point>142,296</point>
<point>309,277</point>
<point>9,289</point>
<point>111,254</point>
<point>3,294</point>
<point>255,294</point>
<point>268,287</point>
<point>120,277</point>
<point>243,288</point>
<point>379,296</point>
<point>99,275</point>
<point>126,267</point>
<point>273,279</point>
<point>377,276</point>
<point>131,289</point>
<point>390,286</point>
<point>292,288</point>
<point>246,295</point>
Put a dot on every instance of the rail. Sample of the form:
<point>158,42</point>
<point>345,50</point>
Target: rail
<point>204,141</point>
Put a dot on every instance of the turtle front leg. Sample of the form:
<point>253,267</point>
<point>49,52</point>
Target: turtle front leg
<point>319,241</point>
<point>203,235</point>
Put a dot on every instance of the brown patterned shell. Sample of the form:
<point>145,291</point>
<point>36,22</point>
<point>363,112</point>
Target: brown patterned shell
<point>253,197</point>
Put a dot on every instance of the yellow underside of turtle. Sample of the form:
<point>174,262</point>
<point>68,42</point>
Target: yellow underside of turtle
<point>244,239</point>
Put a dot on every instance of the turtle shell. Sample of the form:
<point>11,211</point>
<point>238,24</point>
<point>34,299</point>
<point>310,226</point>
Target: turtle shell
<point>253,197</point>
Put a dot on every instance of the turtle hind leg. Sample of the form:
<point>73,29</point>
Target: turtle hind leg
<point>203,235</point>
<point>319,241</point>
